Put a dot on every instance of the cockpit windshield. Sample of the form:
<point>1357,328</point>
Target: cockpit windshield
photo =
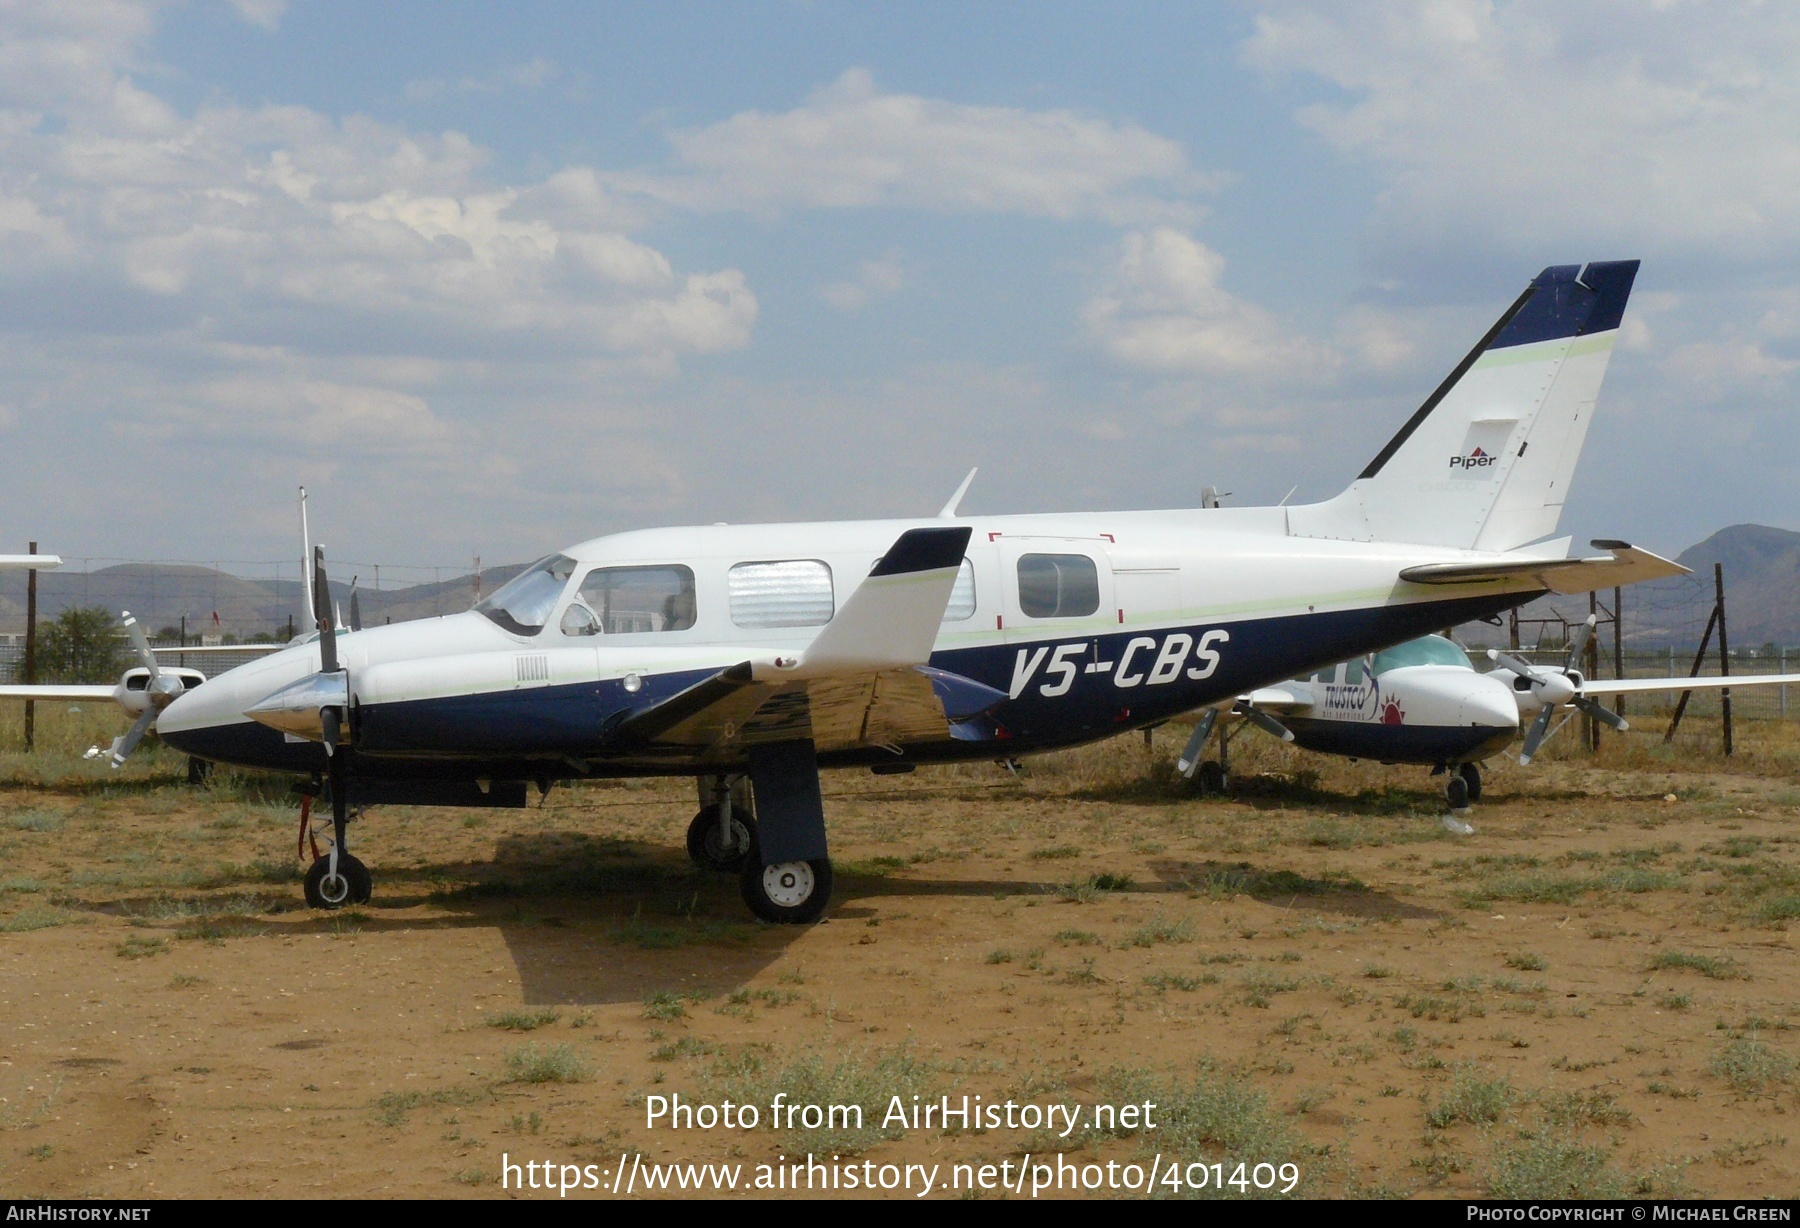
<point>1426,650</point>
<point>522,605</point>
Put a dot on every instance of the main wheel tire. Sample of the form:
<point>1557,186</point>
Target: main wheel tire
<point>788,893</point>
<point>353,884</point>
<point>1471,775</point>
<point>1457,793</point>
<point>199,770</point>
<point>1210,777</point>
<point>704,847</point>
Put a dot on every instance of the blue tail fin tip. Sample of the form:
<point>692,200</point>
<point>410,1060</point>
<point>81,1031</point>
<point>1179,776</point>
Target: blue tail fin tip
<point>1571,300</point>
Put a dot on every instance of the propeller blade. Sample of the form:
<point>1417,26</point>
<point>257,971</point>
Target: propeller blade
<point>125,745</point>
<point>1579,642</point>
<point>1600,712</point>
<point>1268,724</point>
<point>1506,660</point>
<point>355,607</point>
<point>1534,737</point>
<point>1189,763</point>
<point>328,660</point>
<point>141,642</point>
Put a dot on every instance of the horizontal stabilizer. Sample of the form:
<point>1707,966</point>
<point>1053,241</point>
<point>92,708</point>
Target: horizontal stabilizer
<point>1626,565</point>
<point>892,618</point>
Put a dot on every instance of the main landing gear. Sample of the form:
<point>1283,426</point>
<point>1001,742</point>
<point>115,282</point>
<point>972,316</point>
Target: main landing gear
<point>724,838</point>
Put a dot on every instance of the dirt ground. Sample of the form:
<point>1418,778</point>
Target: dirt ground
<point>1593,994</point>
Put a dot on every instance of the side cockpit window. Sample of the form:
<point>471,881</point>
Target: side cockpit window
<point>522,605</point>
<point>787,593</point>
<point>627,600</point>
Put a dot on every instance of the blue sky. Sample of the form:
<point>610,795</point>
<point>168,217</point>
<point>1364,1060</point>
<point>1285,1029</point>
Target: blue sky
<point>489,280</point>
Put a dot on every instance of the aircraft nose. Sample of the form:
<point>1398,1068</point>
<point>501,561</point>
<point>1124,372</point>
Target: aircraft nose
<point>1490,704</point>
<point>183,724</point>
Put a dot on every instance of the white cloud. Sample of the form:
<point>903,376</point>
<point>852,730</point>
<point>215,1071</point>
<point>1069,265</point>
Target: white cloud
<point>264,13</point>
<point>530,75</point>
<point>874,279</point>
<point>851,145</point>
<point>1611,127</point>
<point>1164,310</point>
<point>1719,368</point>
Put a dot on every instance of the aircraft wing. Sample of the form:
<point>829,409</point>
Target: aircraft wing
<point>240,649</point>
<point>863,681</point>
<point>1626,565</point>
<point>1289,696</point>
<point>52,692</point>
<point>1635,686</point>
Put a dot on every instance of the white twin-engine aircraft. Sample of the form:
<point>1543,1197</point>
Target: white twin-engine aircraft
<point>1423,702</point>
<point>764,653</point>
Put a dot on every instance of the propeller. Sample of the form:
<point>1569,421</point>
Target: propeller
<point>355,607</point>
<point>160,691</point>
<point>1263,721</point>
<point>1189,763</point>
<point>1552,689</point>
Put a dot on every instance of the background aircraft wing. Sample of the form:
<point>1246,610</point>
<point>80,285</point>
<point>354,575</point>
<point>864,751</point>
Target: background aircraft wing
<point>72,693</point>
<point>1635,686</point>
<point>1288,696</point>
<point>1626,565</point>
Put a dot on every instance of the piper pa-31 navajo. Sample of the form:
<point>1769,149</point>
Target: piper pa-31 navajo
<point>764,653</point>
<point>1423,702</point>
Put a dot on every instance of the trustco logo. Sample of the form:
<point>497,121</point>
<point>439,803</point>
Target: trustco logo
<point>1478,459</point>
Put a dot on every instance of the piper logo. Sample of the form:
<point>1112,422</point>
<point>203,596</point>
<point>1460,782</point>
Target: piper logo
<point>1478,459</point>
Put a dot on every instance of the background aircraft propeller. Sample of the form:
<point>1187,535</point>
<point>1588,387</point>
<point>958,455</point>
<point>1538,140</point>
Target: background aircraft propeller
<point>161,690</point>
<point>1553,688</point>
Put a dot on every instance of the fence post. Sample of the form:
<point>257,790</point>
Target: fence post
<point>1591,667</point>
<point>1618,646</point>
<point>1724,656</point>
<point>1712,621</point>
<point>31,652</point>
<point>1782,669</point>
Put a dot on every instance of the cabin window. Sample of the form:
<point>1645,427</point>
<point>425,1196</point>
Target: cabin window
<point>1353,672</point>
<point>522,605</point>
<point>962,595</point>
<point>1058,585</point>
<point>624,600</point>
<point>788,593</point>
<point>1426,650</point>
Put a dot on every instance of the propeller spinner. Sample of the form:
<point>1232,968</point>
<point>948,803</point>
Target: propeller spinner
<point>1553,689</point>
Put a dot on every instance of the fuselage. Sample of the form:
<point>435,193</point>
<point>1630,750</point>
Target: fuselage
<point>1090,623</point>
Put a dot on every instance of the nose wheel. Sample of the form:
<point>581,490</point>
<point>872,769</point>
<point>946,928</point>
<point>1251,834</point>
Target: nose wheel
<point>351,884</point>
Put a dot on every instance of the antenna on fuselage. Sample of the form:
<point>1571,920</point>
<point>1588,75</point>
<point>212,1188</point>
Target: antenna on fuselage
<point>306,561</point>
<point>949,512</point>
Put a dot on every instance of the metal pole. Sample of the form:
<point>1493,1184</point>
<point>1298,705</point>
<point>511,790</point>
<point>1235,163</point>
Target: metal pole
<point>1782,669</point>
<point>1592,665</point>
<point>1618,646</point>
<point>1724,655</point>
<point>1514,616</point>
<point>31,651</point>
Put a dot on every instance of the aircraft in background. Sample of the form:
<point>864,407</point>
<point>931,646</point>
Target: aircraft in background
<point>1424,702</point>
<point>143,691</point>
<point>765,653</point>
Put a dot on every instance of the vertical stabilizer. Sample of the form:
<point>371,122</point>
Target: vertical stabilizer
<point>1486,461</point>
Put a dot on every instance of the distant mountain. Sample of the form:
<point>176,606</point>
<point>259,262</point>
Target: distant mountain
<point>161,594</point>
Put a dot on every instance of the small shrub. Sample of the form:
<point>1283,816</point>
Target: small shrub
<point>665,1006</point>
<point>1526,961</point>
<point>1163,930</point>
<point>1751,1066</point>
<point>1718,967</point>
<point>524,1021</point>
<point>1472,1100</point>
<point>999,957</point>
<point>137,946</point>
<point>555,1064</point>
<point>1552,1164</point>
